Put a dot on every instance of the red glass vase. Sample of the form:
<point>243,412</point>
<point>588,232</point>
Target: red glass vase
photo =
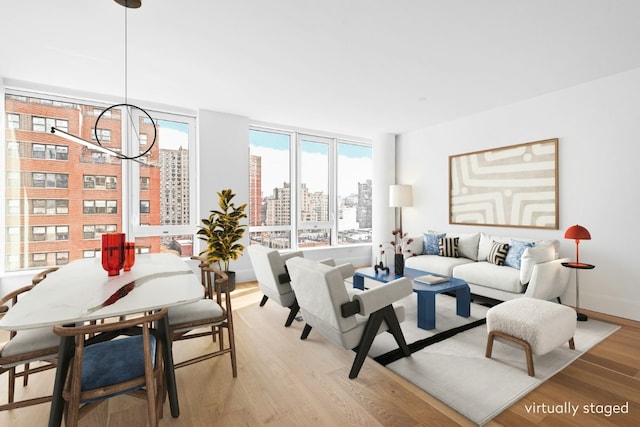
<point>129,255</point>
<point>113,253</point>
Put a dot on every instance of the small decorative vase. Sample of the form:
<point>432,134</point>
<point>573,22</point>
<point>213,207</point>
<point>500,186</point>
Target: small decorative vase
<point>399,264</point>
<point>129,255</point>
<point>113,253</point>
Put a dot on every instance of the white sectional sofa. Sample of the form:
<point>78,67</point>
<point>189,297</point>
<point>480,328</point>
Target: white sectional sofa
<point>531,267</point>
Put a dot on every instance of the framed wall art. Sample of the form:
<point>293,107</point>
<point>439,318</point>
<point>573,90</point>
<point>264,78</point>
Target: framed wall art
<point>514,186</point>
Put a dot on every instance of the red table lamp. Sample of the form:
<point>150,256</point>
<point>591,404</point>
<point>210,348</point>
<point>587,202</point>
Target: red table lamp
<point>577,232</point>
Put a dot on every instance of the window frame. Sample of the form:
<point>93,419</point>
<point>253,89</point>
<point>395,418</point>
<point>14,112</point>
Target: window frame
<point>295,153</point>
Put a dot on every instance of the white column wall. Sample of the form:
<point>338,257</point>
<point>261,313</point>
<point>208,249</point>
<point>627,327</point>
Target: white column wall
<point>384,174</point>
<point>223,162</point>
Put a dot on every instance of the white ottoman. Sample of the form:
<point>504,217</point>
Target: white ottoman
<point>538,326</point>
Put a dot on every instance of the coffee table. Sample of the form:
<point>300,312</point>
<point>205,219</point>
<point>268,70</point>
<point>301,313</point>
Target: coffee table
<point>426,293</point>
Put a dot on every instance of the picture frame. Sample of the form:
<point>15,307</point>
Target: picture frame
<point>511,186</point>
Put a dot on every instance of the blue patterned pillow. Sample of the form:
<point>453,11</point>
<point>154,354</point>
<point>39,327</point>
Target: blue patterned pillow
<point>516,249</point>
<point>431,243</point>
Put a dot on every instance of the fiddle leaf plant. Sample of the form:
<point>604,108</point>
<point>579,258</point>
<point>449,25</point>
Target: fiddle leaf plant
<point>222,231</point>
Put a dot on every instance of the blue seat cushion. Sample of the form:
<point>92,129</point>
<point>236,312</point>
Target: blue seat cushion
<point>112,362</point>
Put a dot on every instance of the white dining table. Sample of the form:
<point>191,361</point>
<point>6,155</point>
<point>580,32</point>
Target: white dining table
<point>82,291</point>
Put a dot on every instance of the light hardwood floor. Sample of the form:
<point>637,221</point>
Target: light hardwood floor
<point>284,383</point>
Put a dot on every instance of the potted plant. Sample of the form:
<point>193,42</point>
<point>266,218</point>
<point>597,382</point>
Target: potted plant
<point>222,231</point>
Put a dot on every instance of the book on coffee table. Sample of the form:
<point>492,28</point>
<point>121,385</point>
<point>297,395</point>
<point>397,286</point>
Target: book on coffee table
<point>431,279</point>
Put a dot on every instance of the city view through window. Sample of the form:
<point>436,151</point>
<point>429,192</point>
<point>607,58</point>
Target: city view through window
<point>62,196</point>
<point>332,204</point>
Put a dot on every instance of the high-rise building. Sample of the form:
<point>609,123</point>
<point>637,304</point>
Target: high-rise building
<point>364,210</point>
<point>255,191</point>
<point>174,182</point>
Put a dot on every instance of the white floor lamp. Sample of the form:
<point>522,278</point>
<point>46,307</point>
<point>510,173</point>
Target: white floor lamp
<point>400,196</point>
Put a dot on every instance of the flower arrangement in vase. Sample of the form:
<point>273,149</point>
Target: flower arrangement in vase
<point>401,247</point>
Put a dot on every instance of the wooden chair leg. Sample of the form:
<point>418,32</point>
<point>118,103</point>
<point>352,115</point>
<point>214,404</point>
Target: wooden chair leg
<point>25,375</point>
<point>294,308</point>
<point>12,384</point>
<point>572,344</point>
<point>305,332</point>
<point>370,332</point>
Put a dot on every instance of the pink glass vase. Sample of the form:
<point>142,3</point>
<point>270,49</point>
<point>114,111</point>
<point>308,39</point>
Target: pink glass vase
<point>113,253</point>
<point>129,255</point>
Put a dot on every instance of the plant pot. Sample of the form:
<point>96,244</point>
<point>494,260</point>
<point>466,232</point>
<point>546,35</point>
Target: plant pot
<point>232,280</point>
<point>399,264</point>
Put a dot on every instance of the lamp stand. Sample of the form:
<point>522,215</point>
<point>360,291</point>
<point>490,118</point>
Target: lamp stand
<point>580,316</point>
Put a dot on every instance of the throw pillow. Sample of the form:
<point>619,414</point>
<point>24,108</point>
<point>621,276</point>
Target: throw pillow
<point>532,256</point>
<point>498,253</point>
<point>431,243</point>
<point>516,249</point>
<point>448,247</point>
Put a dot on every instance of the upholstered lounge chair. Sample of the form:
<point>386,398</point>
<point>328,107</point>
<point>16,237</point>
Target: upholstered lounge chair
<point>349,319</point>
<point>273,278</point>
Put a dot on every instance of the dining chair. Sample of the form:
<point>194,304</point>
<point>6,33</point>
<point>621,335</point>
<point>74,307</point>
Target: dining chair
<point>208,317</point>
<point>349,319</point>
<point>120,357</point>
<point>24,348</point>
<point>43,275</point>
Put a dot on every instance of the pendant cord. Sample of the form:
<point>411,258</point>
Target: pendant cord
<point>126,55</point>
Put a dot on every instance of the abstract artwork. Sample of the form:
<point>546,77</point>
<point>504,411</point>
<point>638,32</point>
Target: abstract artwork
<point>514,186</point>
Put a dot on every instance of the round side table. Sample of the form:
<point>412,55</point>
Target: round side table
<point>579,266</point>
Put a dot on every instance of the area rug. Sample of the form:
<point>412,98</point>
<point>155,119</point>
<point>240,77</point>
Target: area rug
<point>449,363</point>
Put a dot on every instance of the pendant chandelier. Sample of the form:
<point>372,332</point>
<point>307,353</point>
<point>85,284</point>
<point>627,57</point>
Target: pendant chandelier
<point>128,4</point>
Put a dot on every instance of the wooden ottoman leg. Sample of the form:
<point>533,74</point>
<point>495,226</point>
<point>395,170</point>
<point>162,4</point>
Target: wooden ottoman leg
<point>489,349</point>
<point>572,344</point>
<point>525,345</point>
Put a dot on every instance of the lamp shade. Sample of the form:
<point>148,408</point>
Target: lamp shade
<point>577,232</point>
<point>400,196</point>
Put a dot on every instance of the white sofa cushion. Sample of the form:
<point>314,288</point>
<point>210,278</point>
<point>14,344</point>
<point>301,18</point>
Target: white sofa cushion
<point>535,255</point>
<point>435,263</point>
<point>467,245</point>
<point>414,245</point>
<point>485,243</point>
<point>484,273</point>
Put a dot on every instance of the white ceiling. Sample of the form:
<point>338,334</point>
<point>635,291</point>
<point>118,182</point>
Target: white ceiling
<point>355,67</point>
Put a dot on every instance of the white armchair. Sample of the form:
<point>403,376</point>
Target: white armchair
<point>349,319</point>
<point>273,279</point>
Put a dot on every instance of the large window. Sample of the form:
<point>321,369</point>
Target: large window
<point>308,190</point>
<point>90,193</point>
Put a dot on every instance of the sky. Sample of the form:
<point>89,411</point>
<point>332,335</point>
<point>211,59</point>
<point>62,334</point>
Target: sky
<point>172,135</point>
<point>353,162</point>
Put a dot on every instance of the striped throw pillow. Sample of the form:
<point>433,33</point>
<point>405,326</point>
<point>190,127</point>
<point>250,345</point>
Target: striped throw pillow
<point>449,246</point>
<point>498,253</point>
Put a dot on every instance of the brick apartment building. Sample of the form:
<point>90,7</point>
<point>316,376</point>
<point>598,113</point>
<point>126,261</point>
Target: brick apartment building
<point>61,196</point>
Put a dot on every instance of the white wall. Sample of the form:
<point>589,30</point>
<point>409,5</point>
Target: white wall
<point>384,174</point>
<point>223,162</point>
<point>598,126</point>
